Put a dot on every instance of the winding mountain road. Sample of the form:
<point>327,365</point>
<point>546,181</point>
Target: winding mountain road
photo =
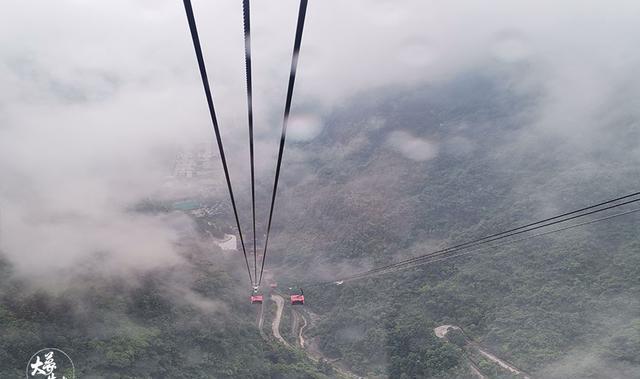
<point>315,355</point>
<point>302,328</point>
<point>275,324</point>
<point>312,354</point>
<point>261,322</point>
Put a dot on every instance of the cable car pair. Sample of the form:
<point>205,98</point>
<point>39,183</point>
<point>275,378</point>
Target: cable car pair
<point>296,296</point>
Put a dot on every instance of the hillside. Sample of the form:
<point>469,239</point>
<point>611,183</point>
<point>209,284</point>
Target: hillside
<point>187,321</point>
<point>394,173</point>
<point>562,306</point>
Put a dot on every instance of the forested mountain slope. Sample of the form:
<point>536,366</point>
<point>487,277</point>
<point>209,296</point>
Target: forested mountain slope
<point>190,320</point>
<point>407,170</point>
<point>394,173</point>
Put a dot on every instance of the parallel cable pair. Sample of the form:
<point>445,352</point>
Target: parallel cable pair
<point>454,251</point>
<point>214,120</point>
<point>287,109</point>
<point>503,243</point>
<point>255,281</point>
<point>246,22</point>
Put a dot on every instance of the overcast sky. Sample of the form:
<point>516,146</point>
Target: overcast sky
<point>96,96</point>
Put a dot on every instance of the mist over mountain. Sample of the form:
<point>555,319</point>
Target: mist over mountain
<point>416,126</point>
<point>370,200</point>
<point>561,306</point>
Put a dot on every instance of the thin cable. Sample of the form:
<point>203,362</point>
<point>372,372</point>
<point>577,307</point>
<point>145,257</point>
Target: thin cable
<point>499,236</point>
<point>287,109</point>
<point>450,250</point>
<point>549,219</point>
<point>246,18</point>
<point>520,229</point>
<point>207,90</point>
<point>502,236</point>
<point>505,234</point>
<point>421,263</point>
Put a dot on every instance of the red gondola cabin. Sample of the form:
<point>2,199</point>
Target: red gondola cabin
<point>297,299</point>
<point>297,295</point>
<point>256,299</point>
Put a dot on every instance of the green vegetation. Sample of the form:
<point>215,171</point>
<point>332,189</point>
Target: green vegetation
<point>543,304</point>
<point>561,306</point>
<point>124,328</point>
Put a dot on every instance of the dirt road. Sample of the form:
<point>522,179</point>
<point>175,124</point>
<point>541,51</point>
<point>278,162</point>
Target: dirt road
<point>295,323</point>
<point>275,324</point>
<point>313,354</point>
<point>261,322</point>
<point>312,350</point>
<point>499,361</point>
<point>302,328</point>
<point>441,332</point>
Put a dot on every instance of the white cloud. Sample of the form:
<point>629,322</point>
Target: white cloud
<point>95,97</point>
<point>414,148</point>
<point>304,127</point>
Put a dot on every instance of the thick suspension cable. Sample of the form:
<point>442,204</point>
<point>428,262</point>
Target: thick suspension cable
<point>207,90</point>
<point>287,109</point>
<point>246,18</point>
<point>498,236</point>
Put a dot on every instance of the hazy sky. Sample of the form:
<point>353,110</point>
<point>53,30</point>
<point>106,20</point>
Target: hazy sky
<point>96,96</point>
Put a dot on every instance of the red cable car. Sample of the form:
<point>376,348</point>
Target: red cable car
<point>256,299</point>
<point>297,298</point>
